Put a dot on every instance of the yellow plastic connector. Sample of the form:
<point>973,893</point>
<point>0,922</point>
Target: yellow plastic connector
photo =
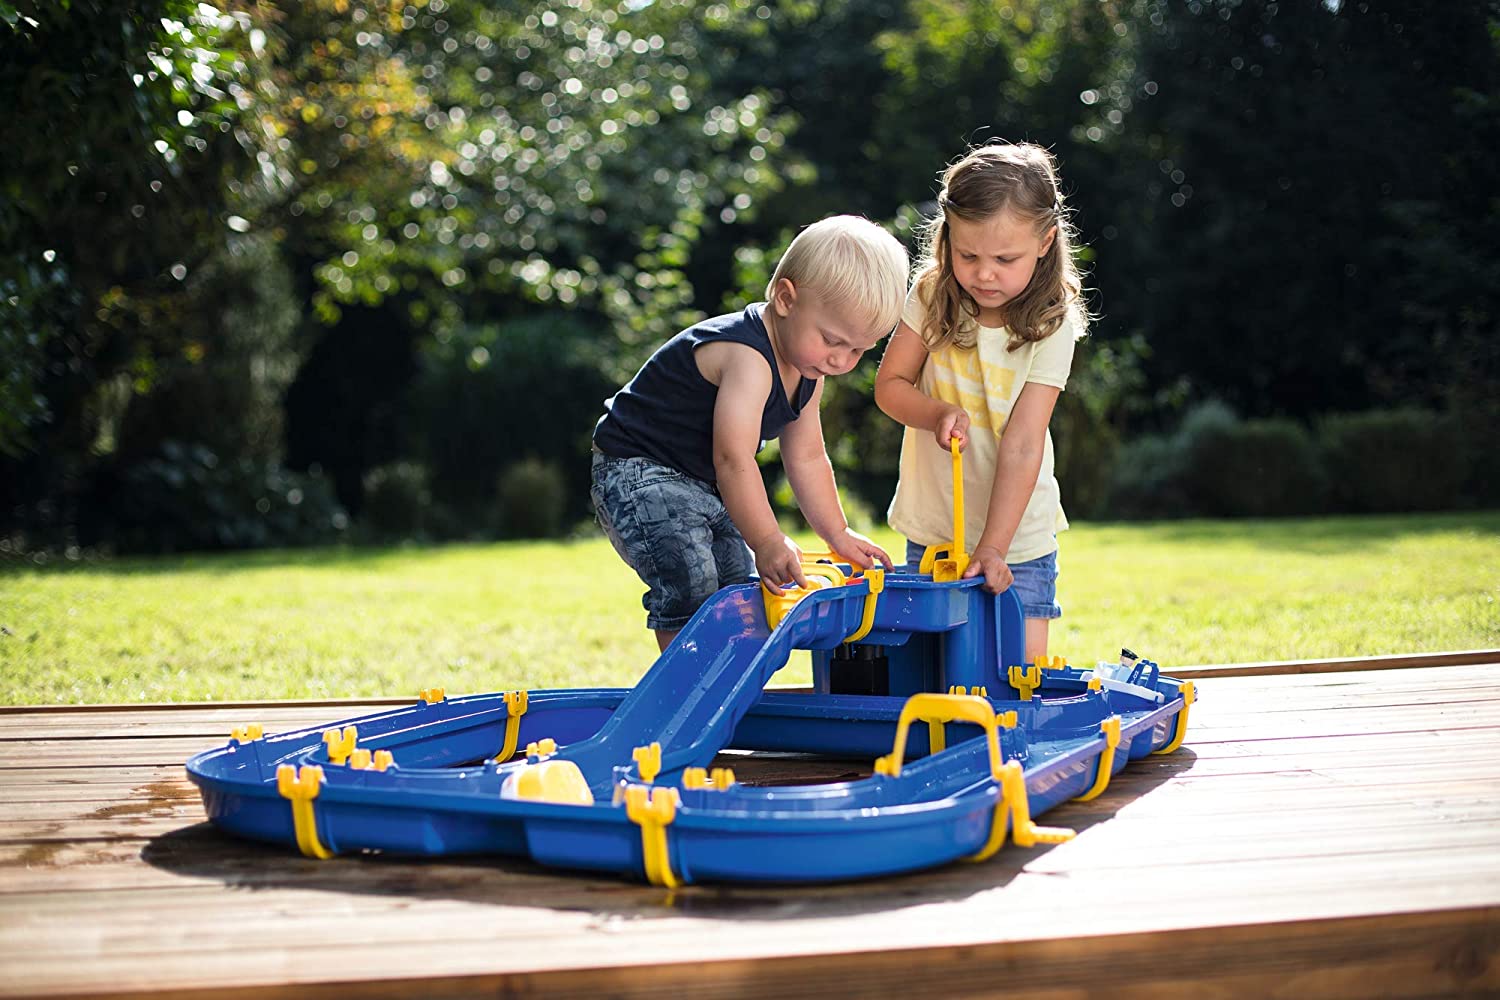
<point>653,809</point>
<point>1015,806</point>
<point>1110,727</point>
<point>1095,684</point>
<point>362,760</point>
<point>716,781</point>
<point>432,695</point>
<point>647,760</point>
<point>1189,695</point>
<point>541,748</point>
<point>876,579</point>
<point>975,690</point>
<point>300,789</point>
<point>340,745</point>
<point>248,733</point>
<point>515,707</point>
<point>1026,679</point>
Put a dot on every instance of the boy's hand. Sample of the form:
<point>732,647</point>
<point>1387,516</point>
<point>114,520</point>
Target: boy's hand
<point>954,423</point>
<point>778,560</point>
<point>858,549</point>
<point>989,562</point>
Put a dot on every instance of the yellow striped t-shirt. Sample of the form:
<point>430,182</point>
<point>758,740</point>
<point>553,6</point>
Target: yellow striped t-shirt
<point>985,380</point>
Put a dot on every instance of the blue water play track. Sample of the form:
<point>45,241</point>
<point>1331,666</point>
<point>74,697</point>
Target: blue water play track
<point>924,677</point>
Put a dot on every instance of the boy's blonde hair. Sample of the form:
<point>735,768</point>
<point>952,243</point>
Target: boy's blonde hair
<point>853,265</point>
<point>1020,178</point>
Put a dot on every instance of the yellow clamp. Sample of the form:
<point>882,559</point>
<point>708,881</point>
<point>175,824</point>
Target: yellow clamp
<point>361,760</point>
<point>1015,805</point>
<point>340,745</point>
<point>541,748</point>
<point>432,695</point>
<point>1095,684</point>
<point>1189,695</point>
<point>1110,727</point>
<point>248,733</point>
<point>717,781</point>
<point>515,707</point>
<point>950,568</point>
<point>300,789</point>
<point>1058,663</point>
<point>653,809</point>
<point>1026,679</point>
<point>975,690</point>
<point>876,578</point>
<point>647,760</point>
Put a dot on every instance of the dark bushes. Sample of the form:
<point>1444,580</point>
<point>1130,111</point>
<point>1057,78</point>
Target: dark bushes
<point>1217,465</point>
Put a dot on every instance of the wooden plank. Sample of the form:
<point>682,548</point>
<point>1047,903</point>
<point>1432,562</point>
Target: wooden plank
<point>1457,948</point>
<point>1341,664</point>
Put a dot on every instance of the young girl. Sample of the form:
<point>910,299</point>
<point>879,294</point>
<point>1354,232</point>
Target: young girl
<point>981,354</point>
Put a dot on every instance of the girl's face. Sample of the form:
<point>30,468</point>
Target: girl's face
<point>994,260</point>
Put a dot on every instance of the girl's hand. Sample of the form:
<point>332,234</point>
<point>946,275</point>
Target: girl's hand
<point>989,562</point>
<point>858,549</point>
<point>954,423</point>
<point>779,563</point>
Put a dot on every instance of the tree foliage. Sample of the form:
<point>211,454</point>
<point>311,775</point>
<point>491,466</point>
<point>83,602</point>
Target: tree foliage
<point>348,228</point>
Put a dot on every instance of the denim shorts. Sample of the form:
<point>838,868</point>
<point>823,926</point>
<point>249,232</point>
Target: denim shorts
<point>673,531</point>
<point>1035,581</point>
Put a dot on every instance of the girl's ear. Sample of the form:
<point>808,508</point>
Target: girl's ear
<point>1047,241</point>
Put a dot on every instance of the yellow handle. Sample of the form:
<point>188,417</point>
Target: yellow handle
<point>951,568</point>
<point>943,708</point>
<point>958,499</point>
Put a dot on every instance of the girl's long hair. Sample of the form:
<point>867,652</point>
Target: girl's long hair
<point>988,180</point>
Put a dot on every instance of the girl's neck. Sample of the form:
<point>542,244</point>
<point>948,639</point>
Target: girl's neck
<point>990,319</point>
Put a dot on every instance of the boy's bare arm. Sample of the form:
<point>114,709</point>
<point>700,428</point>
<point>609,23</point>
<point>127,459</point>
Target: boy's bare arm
<point>744,383</point>
<point>898,397</point>
<point>805,458</point>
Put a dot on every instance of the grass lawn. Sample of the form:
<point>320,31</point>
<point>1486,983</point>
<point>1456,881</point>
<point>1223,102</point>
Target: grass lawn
<point>355,623</point>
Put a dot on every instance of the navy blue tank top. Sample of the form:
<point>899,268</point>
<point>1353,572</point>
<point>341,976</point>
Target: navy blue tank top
<point>666,413</point>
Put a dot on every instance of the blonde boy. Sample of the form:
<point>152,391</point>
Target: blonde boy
<point>676,487</point>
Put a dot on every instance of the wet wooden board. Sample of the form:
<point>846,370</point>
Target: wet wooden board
<point>1320,834</point>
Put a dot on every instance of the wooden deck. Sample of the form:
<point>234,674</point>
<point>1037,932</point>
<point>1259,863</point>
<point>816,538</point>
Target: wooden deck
<point>1320,834</point>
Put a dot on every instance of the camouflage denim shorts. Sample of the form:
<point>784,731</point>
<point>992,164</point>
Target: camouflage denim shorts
<point>672,530</point>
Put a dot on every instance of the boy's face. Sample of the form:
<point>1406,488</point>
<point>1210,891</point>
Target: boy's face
<point>818,340</point>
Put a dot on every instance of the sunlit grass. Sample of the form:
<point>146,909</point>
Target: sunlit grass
<point>350,623</point>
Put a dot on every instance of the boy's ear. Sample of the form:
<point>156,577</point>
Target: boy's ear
<point>784,296</point>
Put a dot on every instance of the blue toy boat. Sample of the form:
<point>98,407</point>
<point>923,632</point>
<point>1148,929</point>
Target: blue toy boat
<point>920,671</point>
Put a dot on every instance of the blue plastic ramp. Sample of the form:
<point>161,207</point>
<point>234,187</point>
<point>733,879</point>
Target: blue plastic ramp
<point>699,689</point>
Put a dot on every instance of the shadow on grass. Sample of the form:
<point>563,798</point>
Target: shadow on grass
<point>203,852</point>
